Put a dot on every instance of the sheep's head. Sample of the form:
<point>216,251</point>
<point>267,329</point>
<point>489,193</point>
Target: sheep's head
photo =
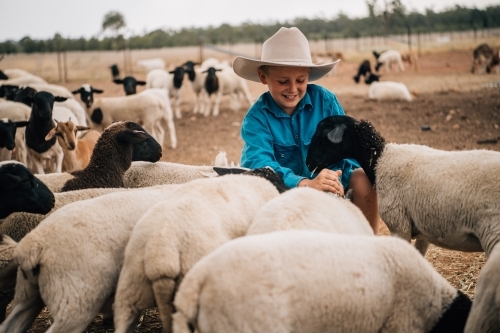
<point>86,92</point>
<point>130,84</point>
<point>8,132</point>
<point>43,104</point>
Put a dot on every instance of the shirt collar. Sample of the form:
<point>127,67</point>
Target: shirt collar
<point>270,105</point>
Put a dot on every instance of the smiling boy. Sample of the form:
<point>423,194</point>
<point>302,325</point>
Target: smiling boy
<point>278,128</point>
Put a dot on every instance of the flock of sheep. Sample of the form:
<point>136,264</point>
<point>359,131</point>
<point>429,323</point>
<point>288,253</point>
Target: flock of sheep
<point>110,229</point>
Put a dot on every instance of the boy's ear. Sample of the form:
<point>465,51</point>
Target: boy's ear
<point>262,76</point>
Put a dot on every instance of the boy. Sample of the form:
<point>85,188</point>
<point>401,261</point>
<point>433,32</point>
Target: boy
<point>278,128</point>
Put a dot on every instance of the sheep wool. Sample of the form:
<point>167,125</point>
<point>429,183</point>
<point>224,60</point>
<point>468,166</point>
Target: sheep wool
<point>81,247</point>
<point>173,235</point>
<point>311,281</point>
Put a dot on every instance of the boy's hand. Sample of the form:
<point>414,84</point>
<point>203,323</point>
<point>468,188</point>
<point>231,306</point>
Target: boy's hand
<point>327,180</point>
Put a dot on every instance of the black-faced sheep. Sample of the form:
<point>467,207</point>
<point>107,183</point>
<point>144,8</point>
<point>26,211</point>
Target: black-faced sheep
<point>130,84</point>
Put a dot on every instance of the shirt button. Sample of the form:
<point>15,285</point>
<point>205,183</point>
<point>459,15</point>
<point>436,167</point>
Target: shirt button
<point>282,155</point>
<point>296,137</point>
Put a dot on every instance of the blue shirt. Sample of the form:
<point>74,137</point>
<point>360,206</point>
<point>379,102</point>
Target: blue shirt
<point>275,139</point>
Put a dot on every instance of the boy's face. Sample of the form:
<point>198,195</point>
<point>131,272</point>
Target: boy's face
<point>287,85</point>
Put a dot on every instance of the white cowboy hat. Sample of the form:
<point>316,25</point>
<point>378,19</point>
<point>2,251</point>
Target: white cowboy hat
<point>287,47</point>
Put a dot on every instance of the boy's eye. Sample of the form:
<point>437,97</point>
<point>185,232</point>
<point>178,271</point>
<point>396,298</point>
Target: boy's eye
<point>300,80</point>
<point>282,82</point>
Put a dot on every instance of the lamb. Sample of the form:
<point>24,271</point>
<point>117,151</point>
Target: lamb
<point>365,70</point>
<point>417,185</point>
<point>197,79</point>
<point>115,72</point>
<point>225,83</point>
<point>388,58</point>
<point>86,92</point>
<point>163,246</point>
<point>307,208</point>
<point>149,108</point>
<point>77,152</point>
<point>11,73</point>
<point>54,89</point>
<point>311,281</point>
<point>130,84</point>
<point>40,123</point>
<point>68,243</point>
<point>24,80</point>
<point>389,90</point>
<point>8,130</point>
<point>411,59</point>
<point>169,81</point>
<point>113,150</point>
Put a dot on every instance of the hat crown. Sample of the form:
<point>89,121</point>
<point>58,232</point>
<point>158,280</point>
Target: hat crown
<point>287,45</point>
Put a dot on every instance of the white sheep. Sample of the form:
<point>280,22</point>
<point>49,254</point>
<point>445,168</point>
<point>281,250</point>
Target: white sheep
<point>312,281</point>
<point>389,90</point>
<point>8,270</point>
<point>221,82</point>
<point>15,72</point>
<point>148,107</point>
<point>388,58</point>
<point>23,80</point>
<point>447,198</point>
<point>171,82</point>
<point>54,89</point>
<point>307,208</point>
<point>81,248</point>
<point>166,242</point>
<point>77,151</point>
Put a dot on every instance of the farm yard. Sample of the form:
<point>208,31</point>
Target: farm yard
<point>452,110</point>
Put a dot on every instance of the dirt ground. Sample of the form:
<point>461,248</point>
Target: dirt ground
<point>461,109</point>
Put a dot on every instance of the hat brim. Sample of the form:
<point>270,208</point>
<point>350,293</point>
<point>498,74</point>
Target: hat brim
<point>247,68</point>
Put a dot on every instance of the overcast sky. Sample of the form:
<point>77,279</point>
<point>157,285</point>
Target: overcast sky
<point>41,19</point>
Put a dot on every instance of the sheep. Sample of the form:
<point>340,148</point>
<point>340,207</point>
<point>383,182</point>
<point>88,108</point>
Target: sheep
<point>365,70</point>
<point>8,91</point>
<point>8,270</point>
<point>148,150</point>
<point>17,112</point>
<point>18,224</point>
<point>311,281</point>
<point>81,246</point>
<point>169,81</point>
<point>112,150</point>
<point>483,55</point>
<point>143,174</point>
<point>389,90</point>
<point>150,64</point>
<point>198,217</point>
<point>54,89</point>
<point>20,191</point>
<point>197,79</point>
<point>86,92</point>
<point>149,108</point>
<point>25,95</point>
<point>77,152</point>
<point>307,208</point>
<point>225,83</point>
<point>130,84</point>
<point>8,129</point>
<point>417,185</point>
<point>115,72</point>
<point>40,123</point>
<point>412,60</point>
<point>11,73</point>
<point>24,80</point>
<point>388,58</point>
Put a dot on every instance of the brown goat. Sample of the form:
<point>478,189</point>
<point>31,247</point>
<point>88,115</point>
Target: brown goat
<point>411,59</point>
<point>77,151</point>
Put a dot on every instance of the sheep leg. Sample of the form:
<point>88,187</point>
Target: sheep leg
<point>28,304</point>
<point>177,105</point>
<point>59,157</point>
<point>422,246</point>
<point>107,311</point>
<point>171,132</point>
<point>208,106</point>
<point>164,294</point>
<point>6,296</point>
<point>217,103</point>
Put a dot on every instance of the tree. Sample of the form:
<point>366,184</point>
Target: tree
<point>113,21</point>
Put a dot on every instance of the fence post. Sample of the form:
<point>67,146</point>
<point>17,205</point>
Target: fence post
<point>65,64</point>
<point>409,38</point>
<point>200,49</point>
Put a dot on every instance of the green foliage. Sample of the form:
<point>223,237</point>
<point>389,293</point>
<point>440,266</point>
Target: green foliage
<point>385,17</point>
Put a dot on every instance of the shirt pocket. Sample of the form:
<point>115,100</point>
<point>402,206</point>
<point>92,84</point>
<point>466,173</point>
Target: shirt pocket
<point>288,157</point>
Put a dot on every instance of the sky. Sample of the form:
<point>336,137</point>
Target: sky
<point>41,19</point>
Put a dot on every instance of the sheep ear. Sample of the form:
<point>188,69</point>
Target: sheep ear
<point>77,91</point>
<point>132,137</point>
<point>82,128</point>
<point>141,83</point>
<point>97,91</point>
<point>117,81</point>
<point>60,99</point>
<point>336,134</point>
<point>51,134</point>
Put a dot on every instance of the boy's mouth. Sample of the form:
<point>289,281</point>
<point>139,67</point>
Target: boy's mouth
<point>290,96</point>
